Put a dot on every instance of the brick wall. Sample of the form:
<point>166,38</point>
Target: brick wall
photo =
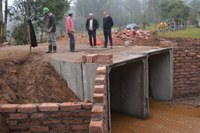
<point>186,67</point>
<point>99,120</point>
<point>47,117</point>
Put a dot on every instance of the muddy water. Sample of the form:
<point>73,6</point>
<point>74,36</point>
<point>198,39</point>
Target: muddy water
<point>163,118</point>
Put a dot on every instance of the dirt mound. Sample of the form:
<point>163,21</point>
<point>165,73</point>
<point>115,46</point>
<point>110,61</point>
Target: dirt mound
<point>29,79</point>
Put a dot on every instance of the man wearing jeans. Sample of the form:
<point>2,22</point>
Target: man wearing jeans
<point>107,25</point>
<point>51,30</point>
<point>70,31</point>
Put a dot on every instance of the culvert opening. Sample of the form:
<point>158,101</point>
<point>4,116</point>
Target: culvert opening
<point>132,83</point>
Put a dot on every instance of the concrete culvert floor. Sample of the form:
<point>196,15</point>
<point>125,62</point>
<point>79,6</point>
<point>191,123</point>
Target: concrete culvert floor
<point>165,117</point>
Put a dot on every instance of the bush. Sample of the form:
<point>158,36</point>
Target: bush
<point>19,34</point>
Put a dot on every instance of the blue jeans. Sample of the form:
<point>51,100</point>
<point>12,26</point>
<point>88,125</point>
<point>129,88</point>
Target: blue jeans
<point>72,42</point>
<point>52,38</point>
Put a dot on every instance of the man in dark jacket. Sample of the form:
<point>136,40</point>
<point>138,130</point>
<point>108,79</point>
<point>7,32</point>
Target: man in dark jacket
<point>107,29</point>
<point>91,26</point>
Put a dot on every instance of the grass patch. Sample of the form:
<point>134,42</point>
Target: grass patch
<point>193,33</point>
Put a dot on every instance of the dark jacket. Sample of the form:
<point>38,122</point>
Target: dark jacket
<point>52,23</point>
<point>32,34</point>
<point>95,24</point>
<point>107,22</point>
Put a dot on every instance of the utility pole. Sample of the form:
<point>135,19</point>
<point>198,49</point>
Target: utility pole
<point>1,21</point>
<point>5,20</point>
<point>26,17</point>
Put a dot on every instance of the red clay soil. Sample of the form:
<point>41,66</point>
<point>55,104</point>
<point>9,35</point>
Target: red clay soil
<point>28,78</point>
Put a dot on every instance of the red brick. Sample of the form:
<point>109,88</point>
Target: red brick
<point>30,122</point>
<point>82,114</point>
<point>10,108</point>
<point>96,127</point>
<point>97,112</point>
<point>103,61</point>
<point>98,98</point>
<point>39,128</point>
<point>105,56</point>
<point>87,106</point>
<point>18,128</point>
<point>51,122</point>
<point>101,70</point>
<point>27,108</point>
<point>84,59</point>
<point>100,80</point>
<point>18,116</point>
<point>79,127</point>
<point>60,128</point>
<point>90,58</point>
<point>61,115</point>
<point>70,106</point>
<point>11,122</point>
<point>99,89</point>
<point>39,116</point>
<point>48,107</point>
<point>72,121</point>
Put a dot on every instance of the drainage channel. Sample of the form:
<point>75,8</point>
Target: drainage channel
<point>132,82</point>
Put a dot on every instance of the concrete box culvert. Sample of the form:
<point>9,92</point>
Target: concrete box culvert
<point>131,82</point>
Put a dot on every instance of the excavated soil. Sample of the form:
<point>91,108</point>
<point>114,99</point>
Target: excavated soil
<point>27,78</point>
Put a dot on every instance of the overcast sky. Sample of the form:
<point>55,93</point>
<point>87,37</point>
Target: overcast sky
<point>10,2</point>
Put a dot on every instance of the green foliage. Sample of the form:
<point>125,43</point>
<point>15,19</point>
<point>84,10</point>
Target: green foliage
<point>174,9</point>
<point>195,8</point>
<point>19,35</point>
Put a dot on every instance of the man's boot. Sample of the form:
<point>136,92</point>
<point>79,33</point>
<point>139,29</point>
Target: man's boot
<point>50,49</point>
<point>73,47</point>
<point>54,48</point>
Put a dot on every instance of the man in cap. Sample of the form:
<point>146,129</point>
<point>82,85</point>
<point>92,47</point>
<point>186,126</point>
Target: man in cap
<point>70,31</point>
<point>51,30</point>
<point>91,26</point>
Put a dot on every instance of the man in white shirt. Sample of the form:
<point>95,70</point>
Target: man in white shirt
<point>91,26</point>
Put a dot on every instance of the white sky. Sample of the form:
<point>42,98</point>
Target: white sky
<point>10,2</point>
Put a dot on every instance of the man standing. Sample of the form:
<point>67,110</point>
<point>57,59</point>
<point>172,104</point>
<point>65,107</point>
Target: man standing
<point>107,25</point>
<point>91,26</point>
<point>70,31</point>
<point>51,29</point>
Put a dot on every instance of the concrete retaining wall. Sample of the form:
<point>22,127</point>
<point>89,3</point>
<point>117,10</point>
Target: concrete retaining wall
<point>80,77</point>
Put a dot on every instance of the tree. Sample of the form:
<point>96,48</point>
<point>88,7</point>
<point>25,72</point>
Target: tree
<point>195,9</point>
<point>5,20</point>
<point>1,21</point>
<point>84,7</point>
<point>23,10</point>
<point>174,9</point>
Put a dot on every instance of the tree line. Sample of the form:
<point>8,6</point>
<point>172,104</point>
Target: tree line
<point>137,11</point>
<point>123,12</point>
